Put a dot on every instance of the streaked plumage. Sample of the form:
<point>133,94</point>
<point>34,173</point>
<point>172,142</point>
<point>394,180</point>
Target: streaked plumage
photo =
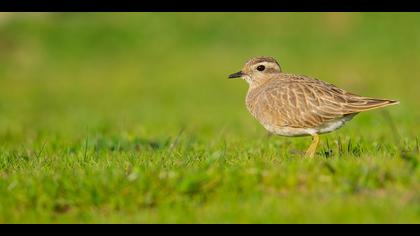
<point>296,105</point>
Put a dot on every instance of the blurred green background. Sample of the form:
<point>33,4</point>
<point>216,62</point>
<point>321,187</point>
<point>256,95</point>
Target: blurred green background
<point>115,79</point>
<point>68,72</point>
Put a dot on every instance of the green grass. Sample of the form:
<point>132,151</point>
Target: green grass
<point>129,117</point>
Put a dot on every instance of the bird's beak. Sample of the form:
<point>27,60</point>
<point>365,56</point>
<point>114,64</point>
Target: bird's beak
<point>236,75</point>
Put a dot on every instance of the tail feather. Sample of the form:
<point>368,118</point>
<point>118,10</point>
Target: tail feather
<point>365,104</point>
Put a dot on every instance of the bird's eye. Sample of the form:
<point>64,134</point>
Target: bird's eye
<point>261,68</point>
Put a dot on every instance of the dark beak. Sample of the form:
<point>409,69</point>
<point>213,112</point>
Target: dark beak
<point>236,75</point>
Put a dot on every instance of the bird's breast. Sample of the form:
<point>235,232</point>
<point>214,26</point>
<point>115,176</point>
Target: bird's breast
<point>262,109</point>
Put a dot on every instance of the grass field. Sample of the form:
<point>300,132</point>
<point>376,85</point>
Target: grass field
<point>129,118</point>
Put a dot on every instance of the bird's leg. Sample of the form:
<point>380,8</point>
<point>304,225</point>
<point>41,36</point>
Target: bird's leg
<point>311,150</point>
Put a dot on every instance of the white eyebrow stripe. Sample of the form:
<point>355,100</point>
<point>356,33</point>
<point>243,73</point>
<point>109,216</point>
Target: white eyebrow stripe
<point>267,65</point>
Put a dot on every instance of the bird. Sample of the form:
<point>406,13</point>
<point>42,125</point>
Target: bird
<point>295,105</point>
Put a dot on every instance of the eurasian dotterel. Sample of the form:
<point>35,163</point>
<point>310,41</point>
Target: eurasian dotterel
<point>295,105</point>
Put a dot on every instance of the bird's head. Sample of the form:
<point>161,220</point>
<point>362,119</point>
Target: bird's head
<point>257,70</point>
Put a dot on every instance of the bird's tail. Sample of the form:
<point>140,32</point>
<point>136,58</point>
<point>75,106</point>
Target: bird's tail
<point>365,103</point>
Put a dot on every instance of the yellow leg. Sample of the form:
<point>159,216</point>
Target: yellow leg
<point>311,150</point>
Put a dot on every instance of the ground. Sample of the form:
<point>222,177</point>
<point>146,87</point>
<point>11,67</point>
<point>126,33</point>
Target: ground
<point>130,117</point>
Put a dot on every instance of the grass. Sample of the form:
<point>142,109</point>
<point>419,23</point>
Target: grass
<point>128,117</point>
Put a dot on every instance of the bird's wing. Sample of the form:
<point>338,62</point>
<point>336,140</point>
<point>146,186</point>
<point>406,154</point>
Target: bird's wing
<point>303,102</point>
